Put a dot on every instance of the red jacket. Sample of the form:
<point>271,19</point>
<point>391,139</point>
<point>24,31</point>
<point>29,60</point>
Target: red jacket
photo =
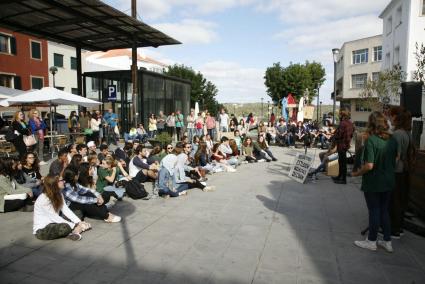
<point>343,135</point>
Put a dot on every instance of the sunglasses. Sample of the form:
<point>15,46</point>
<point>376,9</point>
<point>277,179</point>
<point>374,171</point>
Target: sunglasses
<point>60,180</point>
<point>169,148</point>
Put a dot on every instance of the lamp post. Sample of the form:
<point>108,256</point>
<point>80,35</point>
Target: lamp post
<point>320,110</point>
<point>335,52</point>
<point>268,111</point>
<point>53,70</point>
<point>262,108</point>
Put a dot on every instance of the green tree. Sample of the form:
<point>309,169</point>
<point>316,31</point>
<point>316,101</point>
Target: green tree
<point>202,90</point>
<point>419,74</point>
<point>298,79</point>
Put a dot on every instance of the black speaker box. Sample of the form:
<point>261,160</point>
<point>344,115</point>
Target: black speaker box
<point>411,97</point>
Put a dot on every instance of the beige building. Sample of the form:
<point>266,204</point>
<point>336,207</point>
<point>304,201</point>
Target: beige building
<point>358,61</point>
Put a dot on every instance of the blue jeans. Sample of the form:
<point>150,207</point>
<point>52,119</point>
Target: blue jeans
<point>199,132</point>
<point>119,191</point>
<point>190,133</point>
<point>377,205</point>
<point>164,179</point>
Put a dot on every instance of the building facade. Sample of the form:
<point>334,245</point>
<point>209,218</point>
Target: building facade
<point>23,61</point>
<point>358,61</point>
<point>403,28</point>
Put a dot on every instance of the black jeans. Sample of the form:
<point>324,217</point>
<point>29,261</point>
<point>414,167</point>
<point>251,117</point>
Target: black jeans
<point>91,210</point>
<point>342,162</point>
<point>16,204</point>
<point>377,205</point>
<point>399,201</point>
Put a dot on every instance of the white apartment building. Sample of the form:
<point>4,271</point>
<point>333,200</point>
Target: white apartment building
<point>358,61</point>
<point>403,27</point>
<point>64,58</point>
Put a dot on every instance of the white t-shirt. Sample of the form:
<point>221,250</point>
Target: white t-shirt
<point>224,119</point>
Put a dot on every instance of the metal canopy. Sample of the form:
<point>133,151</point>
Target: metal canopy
<point>88,24</point>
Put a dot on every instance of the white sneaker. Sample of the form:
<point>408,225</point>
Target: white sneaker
<point>366,244</point>
<point>208,188</point>
<point>42,163</point>
<point>114,219</point>
<point>203,183</point>
<point>231,170</point>
<point>244,162</point>
<point>261,160</point>
<point>386,245</point>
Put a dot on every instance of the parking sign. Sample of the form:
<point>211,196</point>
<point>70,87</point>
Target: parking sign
<point>112,93</point>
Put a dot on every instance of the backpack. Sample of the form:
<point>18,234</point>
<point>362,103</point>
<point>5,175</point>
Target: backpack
<point>135,190</point>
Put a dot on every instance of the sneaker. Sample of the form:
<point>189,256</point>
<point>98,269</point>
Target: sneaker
<point>208,188</point>
<point>366,244</point>
<point>42,163</point>
<point>274,159</point>
<point>184,192</point>
<point>113,219</point>
<point>386,245</point>
<point>74,237</point>
<point>203,183</point>
<point>261,160</point>
<point>244,162</point>
<point>231,170</point>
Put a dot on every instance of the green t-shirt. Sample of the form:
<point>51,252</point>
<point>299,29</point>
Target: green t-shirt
<point>101,180</point>
<point>382,153</point>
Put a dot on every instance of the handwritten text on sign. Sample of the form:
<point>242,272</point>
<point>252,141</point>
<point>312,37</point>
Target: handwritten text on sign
<point>301,167</point>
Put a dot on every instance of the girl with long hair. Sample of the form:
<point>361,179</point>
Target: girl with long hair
<point>38,127</point>
<point>20,128</point>
<point>261,142</point>
<point>377,171</point>
<point>32,175</point>
<point>48,223</point>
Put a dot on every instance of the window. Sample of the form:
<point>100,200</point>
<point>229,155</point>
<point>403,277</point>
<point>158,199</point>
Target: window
<point>377,53</point>
<point>37,82</point>
<point>423,7</point>
<point>74,91</point>
<point>398,16</point>
<point>389,25</point>
<point>6,80</point>
<point>73,63</point>
<point>35,50</point>
<point>361,107</point>
<point>375,76</point>
<point>358,81</point>
<point>7,44</point>
<point>360,123</point>
<point>387,59</point>
<point>360,56</point>
<point>58,60</point>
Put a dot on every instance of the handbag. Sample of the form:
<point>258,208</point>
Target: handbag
<point>29,140</point>
<point>333,168</point>
<point>88,131</point>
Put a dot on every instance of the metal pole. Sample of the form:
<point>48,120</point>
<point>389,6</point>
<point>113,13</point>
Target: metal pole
<point>134,67</point>
<point>318,98</point>
<point>261,108</point>
<point>334,98</point>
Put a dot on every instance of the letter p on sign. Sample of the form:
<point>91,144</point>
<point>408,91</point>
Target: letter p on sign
<point>112,93</point>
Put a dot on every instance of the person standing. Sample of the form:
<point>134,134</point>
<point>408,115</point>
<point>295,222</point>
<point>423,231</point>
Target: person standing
<point>378,180</point>
<point>111,119</point>
<point>199,125</point>
<point>95,123</point>
<point>223,120</point>
<point>20,128</point>
<point>179,124</point>
<point>38,127</point>
<point>191,124</point>
<point>171,124</point>
<point>152,126</point>
<point>343,137</point>
<point>210,124</point>
<point>160,122</point>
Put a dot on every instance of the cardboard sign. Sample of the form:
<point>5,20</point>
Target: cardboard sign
<point>308,112</point>
<point>301,167</point>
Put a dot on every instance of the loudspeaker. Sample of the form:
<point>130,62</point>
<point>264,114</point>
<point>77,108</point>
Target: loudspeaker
<point>411,97</point>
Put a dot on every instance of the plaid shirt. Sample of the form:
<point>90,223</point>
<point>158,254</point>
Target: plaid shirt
<point>79,194</point>
<point>343,135</point>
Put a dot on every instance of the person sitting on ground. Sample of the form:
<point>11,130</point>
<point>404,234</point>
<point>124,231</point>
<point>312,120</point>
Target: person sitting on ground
<point>210,144</point>
<point>166,178</point>
<point>271,133</point>
<point>248,150</point>
<point>228,152</point>
<point>232,126</point>
<point>220,158</point>
<point>235,151</point>
<point>13,196</point>
<point>242,128</point>
<point>31,170</point>
<point>139,169</point>
<point>82,150</point>
<point>195,145</point>
<point>58,166</point>
<point>75,163</point>
<point>91,204</point>
<point>49,208</point>
<point>282,133</point>
<point>169,149</point>
<point>325,158</point>
<point>183,169</point>
<point>94,164</point>
<point>108,174</point>
<point>238,140</point>
<point>300,131</point>
<point>91,147</point>
<point>72,150</point>
<point>104,151</point>
<point>131,135</point>
<point>264,148</point>
<point>156,155</point>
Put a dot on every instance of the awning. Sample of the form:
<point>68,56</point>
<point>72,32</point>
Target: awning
<point>88,24</point>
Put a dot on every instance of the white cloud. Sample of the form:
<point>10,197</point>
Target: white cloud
<point>190,31</point>
<point>234,82</point>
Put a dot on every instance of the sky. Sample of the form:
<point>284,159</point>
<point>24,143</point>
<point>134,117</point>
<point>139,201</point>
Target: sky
<point>232,42</point>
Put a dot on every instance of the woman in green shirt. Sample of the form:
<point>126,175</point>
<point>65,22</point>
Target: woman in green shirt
<point>107,174</point>
<point>378,180</point>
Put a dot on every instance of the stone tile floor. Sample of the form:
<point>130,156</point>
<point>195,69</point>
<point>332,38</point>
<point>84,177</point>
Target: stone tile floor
<point>258,227</point>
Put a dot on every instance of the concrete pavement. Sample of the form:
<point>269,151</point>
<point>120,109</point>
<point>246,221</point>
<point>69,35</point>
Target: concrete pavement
<point>257,227</point>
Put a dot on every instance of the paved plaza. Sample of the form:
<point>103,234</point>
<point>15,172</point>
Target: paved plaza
<point>257,227</point>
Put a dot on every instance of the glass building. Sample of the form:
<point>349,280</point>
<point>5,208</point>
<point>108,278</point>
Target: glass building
<point>156,92</point>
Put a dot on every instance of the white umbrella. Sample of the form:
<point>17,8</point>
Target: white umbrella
<point>196,108</point>
<point>6,93</point>
<point>53,97</point>
<point>300,114</point>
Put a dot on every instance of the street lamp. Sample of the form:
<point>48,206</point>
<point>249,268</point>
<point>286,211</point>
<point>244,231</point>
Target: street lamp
<point>268,111</point>
<point>53,70</point>
<point>320,110</point>
<point>335,52</point>
<point>262,108</point>
<point>317,104</point>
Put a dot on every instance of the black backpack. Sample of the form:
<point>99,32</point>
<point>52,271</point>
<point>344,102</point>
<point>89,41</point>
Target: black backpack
<point>135,190</point>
